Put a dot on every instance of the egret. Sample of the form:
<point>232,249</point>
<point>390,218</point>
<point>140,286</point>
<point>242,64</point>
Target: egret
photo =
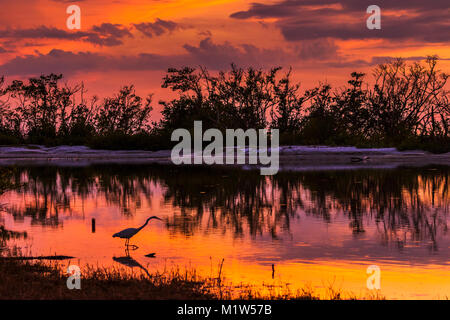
<point>130,232</point>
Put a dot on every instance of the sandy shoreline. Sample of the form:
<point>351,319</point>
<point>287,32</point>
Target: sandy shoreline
<point>291,157</point>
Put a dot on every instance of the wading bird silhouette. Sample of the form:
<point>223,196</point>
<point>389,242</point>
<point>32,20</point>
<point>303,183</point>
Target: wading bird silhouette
<point>130,232</point>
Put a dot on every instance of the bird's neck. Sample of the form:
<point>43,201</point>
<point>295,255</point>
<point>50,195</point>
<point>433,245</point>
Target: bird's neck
<point>146,222</point>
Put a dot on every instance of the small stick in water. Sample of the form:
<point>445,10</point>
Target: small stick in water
<point>93,225</point>
<point>273,271</point>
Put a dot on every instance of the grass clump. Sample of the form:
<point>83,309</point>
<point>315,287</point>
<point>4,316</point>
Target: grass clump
<point>43,280</point>
<point>27,279</point>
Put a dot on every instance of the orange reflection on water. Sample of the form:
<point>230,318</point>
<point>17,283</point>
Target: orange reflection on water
<point>318,230</point>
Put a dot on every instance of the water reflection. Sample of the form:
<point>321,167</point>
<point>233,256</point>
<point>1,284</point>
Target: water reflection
<point>405,204</point>
<point>129,262</point>
<point>6,235</point>
<point>313,226</point>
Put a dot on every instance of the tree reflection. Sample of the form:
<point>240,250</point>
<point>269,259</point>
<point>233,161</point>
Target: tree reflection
<point>405,204</point>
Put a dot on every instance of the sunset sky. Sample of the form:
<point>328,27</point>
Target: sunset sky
<point>134,41</point>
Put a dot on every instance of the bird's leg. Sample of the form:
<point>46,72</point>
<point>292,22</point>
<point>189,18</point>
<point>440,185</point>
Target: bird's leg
<point>127,245</point>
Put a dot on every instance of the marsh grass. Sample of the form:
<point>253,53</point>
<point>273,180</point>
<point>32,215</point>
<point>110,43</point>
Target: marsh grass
<point>46,280</point>
<point>31,279</point>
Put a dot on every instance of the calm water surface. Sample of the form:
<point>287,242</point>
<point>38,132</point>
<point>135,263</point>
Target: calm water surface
<point>317,228</point>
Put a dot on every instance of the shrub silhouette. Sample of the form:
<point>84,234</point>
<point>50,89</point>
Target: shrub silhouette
<point>406,106</point>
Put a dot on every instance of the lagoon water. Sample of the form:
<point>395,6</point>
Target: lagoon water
<point>318,228</point>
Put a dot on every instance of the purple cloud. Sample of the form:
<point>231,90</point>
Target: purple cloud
<point>157,28</point>
<point>313,19</point>
<point>106,34</point>
<point>206,53</point>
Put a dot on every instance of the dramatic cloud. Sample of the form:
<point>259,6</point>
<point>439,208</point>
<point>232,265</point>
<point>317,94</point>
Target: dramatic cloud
<point>157,28</point>
<point>219,56</point>
<point>106,34</point>
<point>113,30</point>
<point>292,8</point>
<point>207,53</point>
<point>424,28</point>
<point>67,62</point>
<point>320,49</point>
<point>312,19</point>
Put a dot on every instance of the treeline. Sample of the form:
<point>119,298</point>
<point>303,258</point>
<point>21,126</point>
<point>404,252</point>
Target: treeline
<point>405,106</point>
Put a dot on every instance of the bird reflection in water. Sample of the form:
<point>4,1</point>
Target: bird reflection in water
<point>128,261</point>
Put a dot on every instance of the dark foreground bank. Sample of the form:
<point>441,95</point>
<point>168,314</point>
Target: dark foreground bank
<point>39,280</point>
